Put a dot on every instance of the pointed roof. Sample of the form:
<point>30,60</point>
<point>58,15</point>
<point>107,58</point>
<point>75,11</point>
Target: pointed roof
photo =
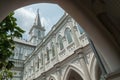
<point>37,22</point>
<point>37,19</point>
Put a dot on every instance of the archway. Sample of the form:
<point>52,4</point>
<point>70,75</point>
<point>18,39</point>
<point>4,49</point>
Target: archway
<point>73,75</point>
<point>98,72</point>
<point>88,20</point>
<point>95,71</point>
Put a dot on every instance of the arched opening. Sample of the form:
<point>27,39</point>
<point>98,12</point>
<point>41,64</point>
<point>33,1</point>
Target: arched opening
<point>101,37</point>
<point>60,42</point>
<point>98,72</point>
<point>73,75</point>
<point>95,70</point>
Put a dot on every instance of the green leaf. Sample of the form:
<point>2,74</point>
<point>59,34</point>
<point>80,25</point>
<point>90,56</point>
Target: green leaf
<point>8,30</point>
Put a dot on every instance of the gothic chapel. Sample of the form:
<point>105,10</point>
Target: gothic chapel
<point>63,54</point>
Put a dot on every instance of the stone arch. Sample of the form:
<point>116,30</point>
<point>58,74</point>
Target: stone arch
<point>99,33</point>
<point>72,69</point>
<point>66,27</point>
<point>91,63</point>
<point>95,69</point>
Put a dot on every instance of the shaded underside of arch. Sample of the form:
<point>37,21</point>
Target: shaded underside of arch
<point>72,72</point>
<point>73,75</point>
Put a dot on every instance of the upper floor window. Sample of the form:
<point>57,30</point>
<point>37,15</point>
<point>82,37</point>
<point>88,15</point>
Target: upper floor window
<point>20,56</point>
<point>80,29</point>
<point>41,58</point>
<point>68,35</point>
<point>39,34</point>
<point>34,65</point>
<point>48,57</point>
<point>53,49</point>
<point>60,42</point>
<point>37,62</point>
<point>16,52</point>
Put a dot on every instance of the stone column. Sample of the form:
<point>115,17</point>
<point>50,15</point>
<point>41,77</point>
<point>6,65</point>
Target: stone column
<point>84,67</point>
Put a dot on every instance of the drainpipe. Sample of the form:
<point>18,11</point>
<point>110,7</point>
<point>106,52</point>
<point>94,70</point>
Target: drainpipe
<point>100,63</point>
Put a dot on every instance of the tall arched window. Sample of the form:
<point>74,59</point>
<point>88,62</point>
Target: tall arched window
<point>48,57</point>
<point>41,58</point>
<point>37,62</point>
<point>16,52</point>
<point>60,42</point>
<point>53,49</point>
<point>80,29</point>
<point>39,34</point>
<point>68,35</point>
<point>34,65</point>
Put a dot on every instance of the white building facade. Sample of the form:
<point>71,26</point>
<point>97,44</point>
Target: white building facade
<point>63,54</point>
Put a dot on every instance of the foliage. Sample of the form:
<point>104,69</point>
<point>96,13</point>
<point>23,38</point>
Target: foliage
<point>8,30</point>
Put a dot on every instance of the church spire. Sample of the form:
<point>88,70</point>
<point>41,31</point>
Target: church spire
<point>37,19</point>
<point>37,31</point>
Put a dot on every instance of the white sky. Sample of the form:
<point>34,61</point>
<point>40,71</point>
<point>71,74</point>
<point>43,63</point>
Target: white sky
<point>49,14</point>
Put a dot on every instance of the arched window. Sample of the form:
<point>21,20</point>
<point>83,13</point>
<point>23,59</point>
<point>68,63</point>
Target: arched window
<point>16,52</point>
<point>60,42</point>
<point>80,29</point>
<point>39,34</point>
<point>41,58</point>
<point>37,62</point>
<point>53,49</point>
<point>47,54</point>
<point>34,65</point>
<point>68,35</point>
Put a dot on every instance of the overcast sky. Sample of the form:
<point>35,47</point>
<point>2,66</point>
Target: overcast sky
<point>49,14</point>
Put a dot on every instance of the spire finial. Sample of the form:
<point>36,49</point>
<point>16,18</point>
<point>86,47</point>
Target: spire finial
<point>38,11</point>
<point>37,19</point>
